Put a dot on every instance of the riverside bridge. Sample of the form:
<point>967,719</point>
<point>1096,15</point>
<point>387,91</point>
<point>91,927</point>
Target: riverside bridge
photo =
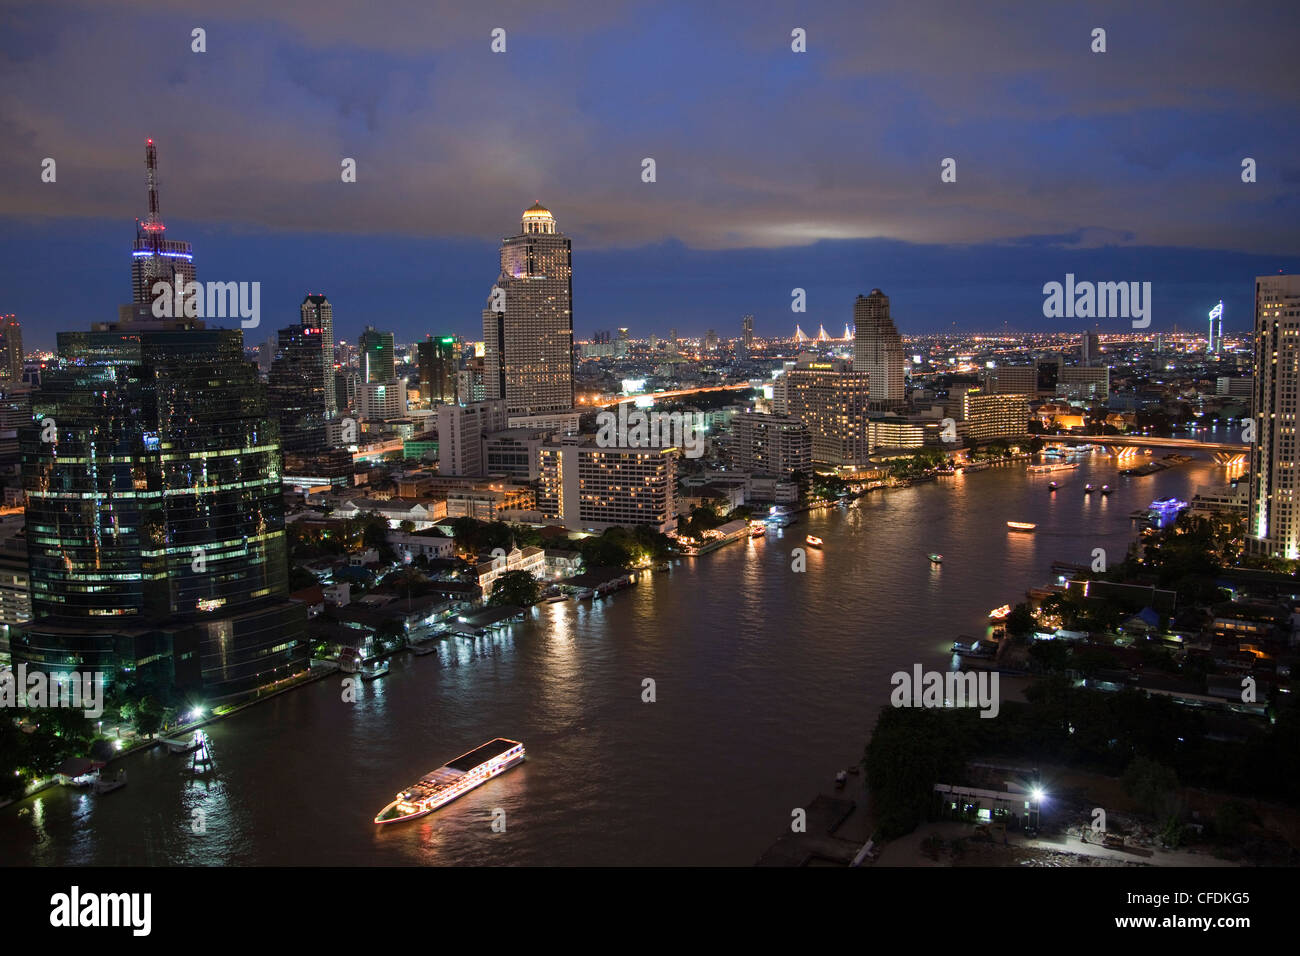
<point>1128,446</point>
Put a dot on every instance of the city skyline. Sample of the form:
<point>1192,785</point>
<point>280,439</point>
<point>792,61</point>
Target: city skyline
<point>1049,179</point>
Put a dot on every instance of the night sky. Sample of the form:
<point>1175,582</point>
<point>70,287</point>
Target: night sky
<point>775,169</point>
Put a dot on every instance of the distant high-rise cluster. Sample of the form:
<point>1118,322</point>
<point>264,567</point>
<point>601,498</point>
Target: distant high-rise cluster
<point>528,322</point>
<point>878,348</point>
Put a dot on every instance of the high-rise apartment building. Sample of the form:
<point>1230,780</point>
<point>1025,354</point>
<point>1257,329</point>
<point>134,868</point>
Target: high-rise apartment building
<point>986,416</point>
<point>586,487</point>
<point>1274,519</point>
<point>747,332</point>
<point>437,364</point>
<point>317,313</point>
<point>878,348</point>
<point>1090,349</point>
<point>528,324</point>
<point>833,400</point>
<point>1084,382</point>
<point>376,354</point>
<point>155,516</point>
<point>772,444</point>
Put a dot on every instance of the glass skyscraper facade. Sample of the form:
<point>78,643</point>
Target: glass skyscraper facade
<point>155,521</point>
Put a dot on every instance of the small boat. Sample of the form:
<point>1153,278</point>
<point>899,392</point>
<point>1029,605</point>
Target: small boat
<point>758,531</point>
<point>1087,489</point>
<point>375,671</point>
<point>936,559</point>
<point>1024,526</point>
<point>1106,489</point>
<point>422,649</point>
<point>175,746</point>
<point>841,778</point>
<point>585,593</point>
<point>108,784</point>
<point>557,598</point>
<point>814,541</point>
<point>1053,486</point>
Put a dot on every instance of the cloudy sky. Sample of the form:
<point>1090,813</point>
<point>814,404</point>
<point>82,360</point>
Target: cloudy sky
<point>775,169</point>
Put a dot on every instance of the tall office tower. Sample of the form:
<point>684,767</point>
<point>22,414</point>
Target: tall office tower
<point>1090,349</point>
<point>317,313</point>
<point>376,353</point>
<point>672,336</point>
<point>832,399</point>
<point>437,363</point>
<point>460,435</point>
<point>1160,343</point>
<point>380,401</point>
<point>1274,517</point>
<point>878,348</point>
<point>528,324</point>
<point>155,516</point>
<point>624,343</point>
<point>772,444</point>
<point>747,332</point>
<point>155,258</point>
<point>586,487</point>
<point>11,349</point>
<point>1215,343</point>
<point>297,389</point>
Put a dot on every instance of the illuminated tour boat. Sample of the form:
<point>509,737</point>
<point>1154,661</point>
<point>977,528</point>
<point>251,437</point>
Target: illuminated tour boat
<point>458,777</point>
<point>1052,466</point>
<point>1026,527</point>
<point>814,541</point>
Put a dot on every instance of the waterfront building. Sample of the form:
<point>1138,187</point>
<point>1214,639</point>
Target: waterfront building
<point>586,487</point>
<point>1274,519</point>
<point>155,518</point>
<point>779,445</point>
<point>833,400</point>
<point>1235,386</point>
<point>528,324</point>
<point>984,416</point>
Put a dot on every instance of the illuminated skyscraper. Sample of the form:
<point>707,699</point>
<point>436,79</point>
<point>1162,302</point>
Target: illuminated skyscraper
<point>155,258</point>
<point>1215,343</point>
<point>1274,517</point>
<point>747,332</point>
<point>319,314</point>
<point>155,517</point>
<point>528,324</point>
<point>878,348</point>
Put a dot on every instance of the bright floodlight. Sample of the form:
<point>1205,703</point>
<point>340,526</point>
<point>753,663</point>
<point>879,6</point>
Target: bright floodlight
<point>1037,794</point>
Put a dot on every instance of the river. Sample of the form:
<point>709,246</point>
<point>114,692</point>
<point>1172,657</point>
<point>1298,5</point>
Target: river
<point>767,681</point>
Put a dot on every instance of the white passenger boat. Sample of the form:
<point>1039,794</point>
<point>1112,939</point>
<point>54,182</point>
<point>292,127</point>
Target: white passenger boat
<point>458,777</point>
